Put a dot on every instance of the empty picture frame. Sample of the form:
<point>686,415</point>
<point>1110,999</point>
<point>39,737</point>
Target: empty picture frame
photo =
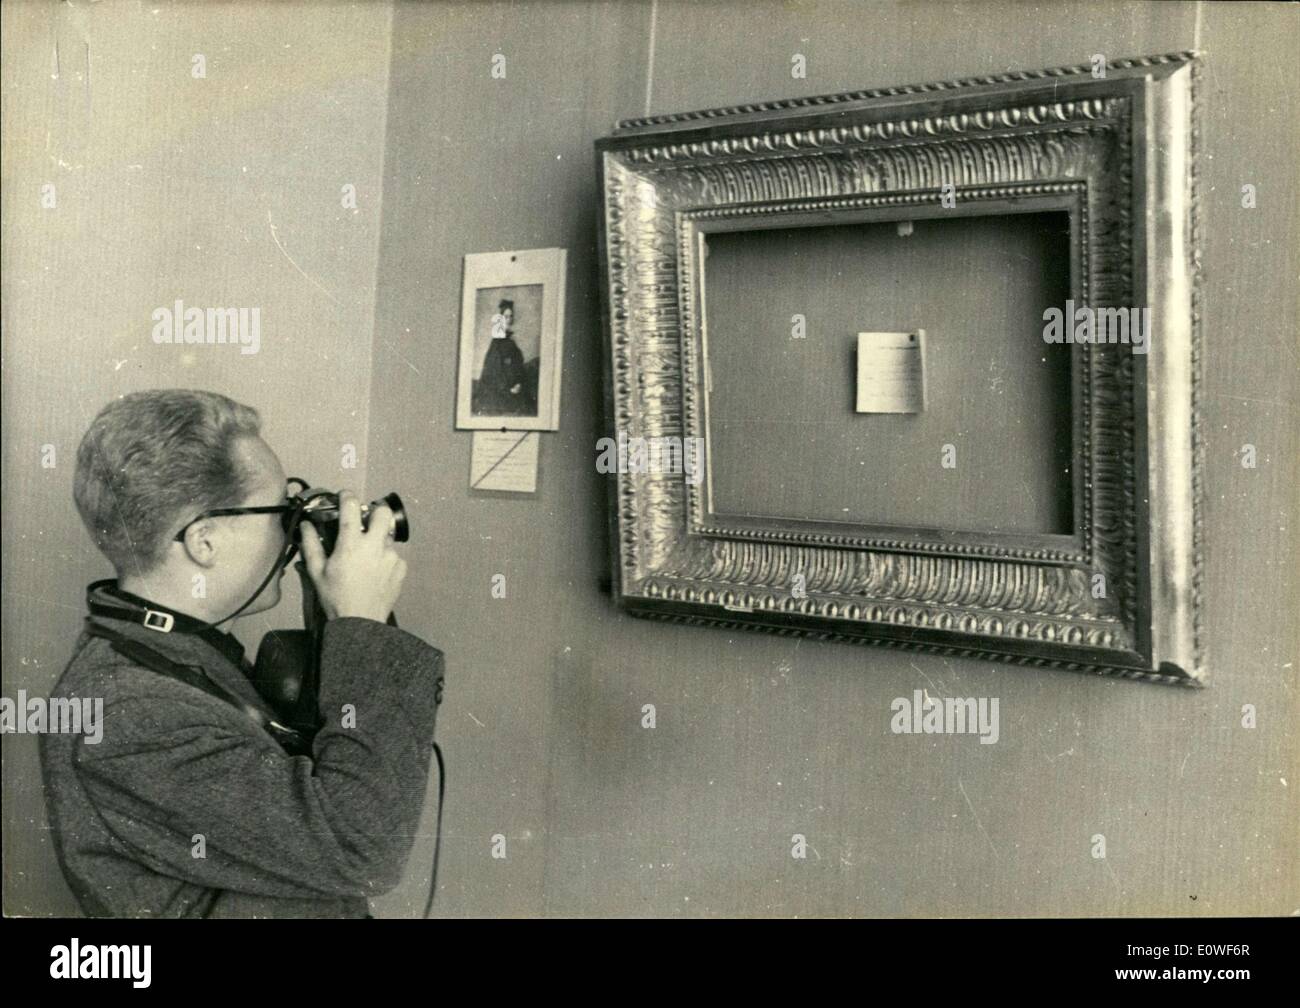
<point>743,249</point>
<point>511,340</point>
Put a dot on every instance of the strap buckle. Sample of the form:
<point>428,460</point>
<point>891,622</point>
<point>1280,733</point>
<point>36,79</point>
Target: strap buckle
<point>160,621</point>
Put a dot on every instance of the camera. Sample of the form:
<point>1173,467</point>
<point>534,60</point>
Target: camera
<point>321,508</point>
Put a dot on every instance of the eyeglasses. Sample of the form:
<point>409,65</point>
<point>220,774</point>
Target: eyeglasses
<point>293,504</point>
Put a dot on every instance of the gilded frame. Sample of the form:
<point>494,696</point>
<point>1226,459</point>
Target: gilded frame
<point>1117,152</point>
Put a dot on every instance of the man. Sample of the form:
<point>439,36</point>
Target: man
<point>193,804</point>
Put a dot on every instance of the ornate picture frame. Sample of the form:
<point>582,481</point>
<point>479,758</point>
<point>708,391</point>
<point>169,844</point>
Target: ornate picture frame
<point>1114,148</point>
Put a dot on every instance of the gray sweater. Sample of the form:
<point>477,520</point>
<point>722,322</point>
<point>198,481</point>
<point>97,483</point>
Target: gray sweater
<point>179,773</point>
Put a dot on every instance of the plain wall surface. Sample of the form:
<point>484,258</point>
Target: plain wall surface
<point>220,191</point>
<point>757,738</point>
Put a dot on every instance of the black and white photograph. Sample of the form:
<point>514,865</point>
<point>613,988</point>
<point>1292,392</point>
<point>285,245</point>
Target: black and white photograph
<point>650,460</point>
<point>511,343</point>
<point>507,338</point>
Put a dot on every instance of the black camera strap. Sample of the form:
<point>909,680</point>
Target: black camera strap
<point>133,609</point>
<point>193,676</point>
<point>280,563</point>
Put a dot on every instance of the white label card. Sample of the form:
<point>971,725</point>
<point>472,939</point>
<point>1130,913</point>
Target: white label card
<point>891,372</point>
<point>504,460</point>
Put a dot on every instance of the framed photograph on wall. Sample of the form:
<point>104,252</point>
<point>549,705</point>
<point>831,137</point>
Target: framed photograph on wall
<point>938,345</point>
<point>511,340</point>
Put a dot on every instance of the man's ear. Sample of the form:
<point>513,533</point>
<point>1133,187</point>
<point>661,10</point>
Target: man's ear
<point>200,542</point>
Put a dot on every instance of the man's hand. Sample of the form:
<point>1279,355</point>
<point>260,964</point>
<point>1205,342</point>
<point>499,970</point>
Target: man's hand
<point>363,576</point>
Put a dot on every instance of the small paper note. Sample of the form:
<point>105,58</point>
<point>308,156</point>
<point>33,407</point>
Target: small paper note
<point>504,460</point>
<point>891,372</point>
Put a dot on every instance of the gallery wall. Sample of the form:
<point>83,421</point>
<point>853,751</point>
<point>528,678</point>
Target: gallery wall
<point>223,190</point>
<point>759,738</point>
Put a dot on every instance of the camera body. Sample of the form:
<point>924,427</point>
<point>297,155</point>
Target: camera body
<point>321,508</point>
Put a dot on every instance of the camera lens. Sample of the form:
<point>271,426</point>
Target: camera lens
<point>320,508</point>
<point>401,528</point>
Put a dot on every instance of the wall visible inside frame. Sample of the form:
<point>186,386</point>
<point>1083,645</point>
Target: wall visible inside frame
<point>783,435</point>
<point>757,737</point>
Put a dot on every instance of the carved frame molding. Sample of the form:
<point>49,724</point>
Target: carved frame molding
<point>1118,154</point>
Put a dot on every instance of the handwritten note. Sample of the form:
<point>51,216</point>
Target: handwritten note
<point>504,460</point>
<point>891,372</point>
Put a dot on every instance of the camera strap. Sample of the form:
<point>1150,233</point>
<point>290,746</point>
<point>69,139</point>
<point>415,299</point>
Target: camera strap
<point>193,676</point>
<point>138,611</point>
